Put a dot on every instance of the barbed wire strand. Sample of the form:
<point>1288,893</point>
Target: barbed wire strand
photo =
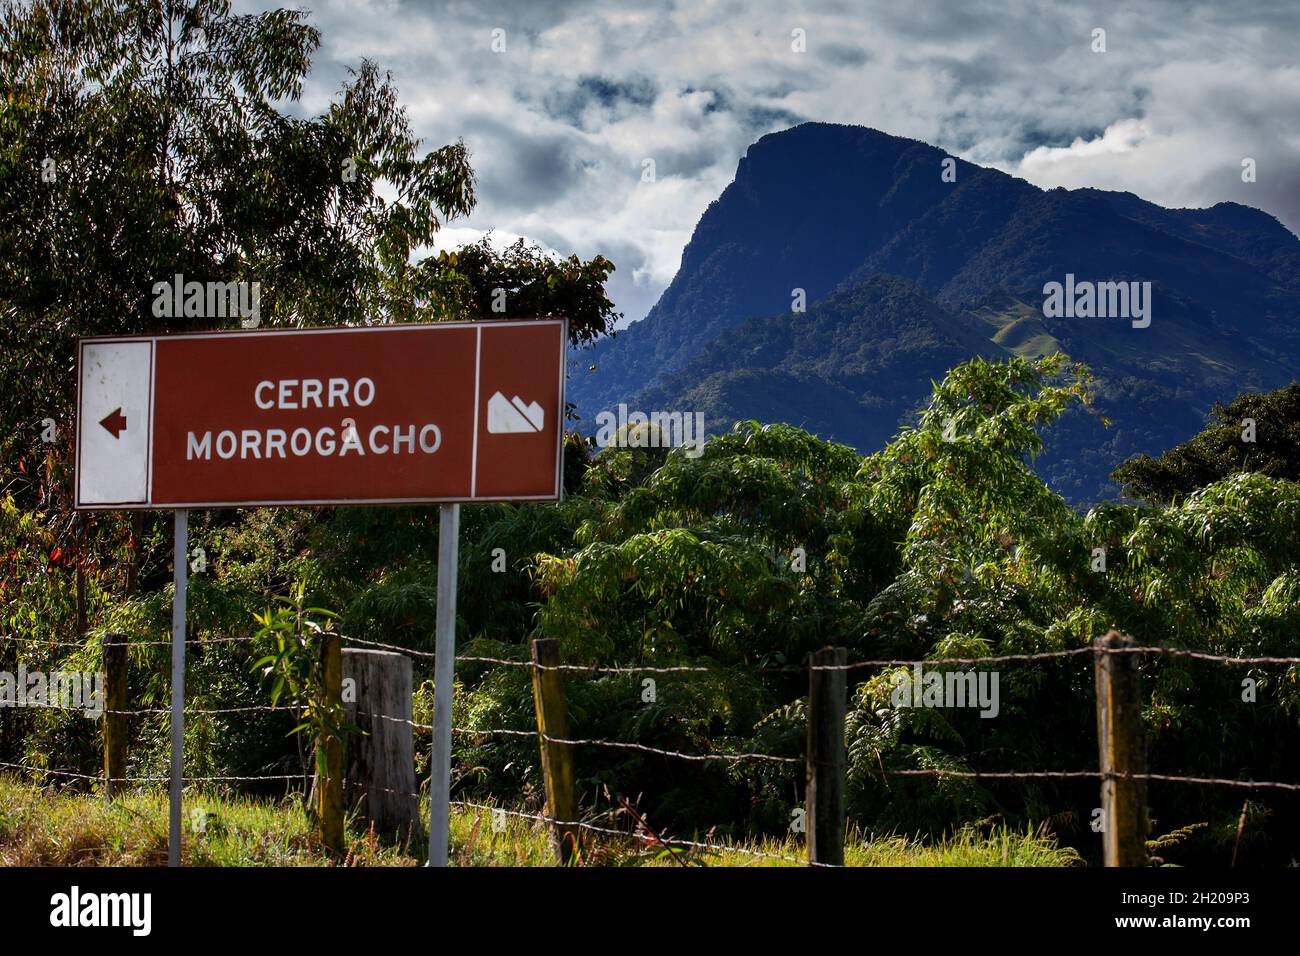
<point>86,644</point>
<point>154,711</point>
<point>696,669</point>
<point>99,778</point>
<point>1094,775</point>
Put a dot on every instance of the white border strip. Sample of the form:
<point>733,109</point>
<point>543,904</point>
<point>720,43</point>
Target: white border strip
<point>473,455</point>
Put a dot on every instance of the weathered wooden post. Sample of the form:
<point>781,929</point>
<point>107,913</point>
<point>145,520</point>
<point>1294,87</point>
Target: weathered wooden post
<point>827,703</point>
<point>1121,740</point>
<point>379,769</point>
<point>557,760</point>
<point>115,728</point>
<point>329,748</point>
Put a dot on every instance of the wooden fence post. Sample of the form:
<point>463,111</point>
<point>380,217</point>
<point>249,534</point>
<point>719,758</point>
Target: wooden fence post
<point>329,748</point>
<point>824,794</point>
<point>114,703</point>
<point>557,761</point>
<point>1121,741</point>
<point>379,769</point>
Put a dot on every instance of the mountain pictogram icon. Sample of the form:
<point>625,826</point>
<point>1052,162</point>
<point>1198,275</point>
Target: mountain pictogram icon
<point>508,416</point>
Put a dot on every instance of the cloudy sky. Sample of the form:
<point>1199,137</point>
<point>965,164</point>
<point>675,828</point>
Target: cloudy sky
<point>562,114</point>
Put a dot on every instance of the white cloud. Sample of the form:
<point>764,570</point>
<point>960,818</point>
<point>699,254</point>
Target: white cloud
<point>1119,139</point>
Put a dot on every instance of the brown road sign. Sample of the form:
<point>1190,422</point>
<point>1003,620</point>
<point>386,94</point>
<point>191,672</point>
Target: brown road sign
<point>452,412</point>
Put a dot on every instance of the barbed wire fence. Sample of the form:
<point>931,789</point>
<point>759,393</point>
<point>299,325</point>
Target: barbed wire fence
<point>1122,770</point>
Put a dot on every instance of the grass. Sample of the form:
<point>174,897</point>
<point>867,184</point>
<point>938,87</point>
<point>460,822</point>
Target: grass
<point>44,828</point>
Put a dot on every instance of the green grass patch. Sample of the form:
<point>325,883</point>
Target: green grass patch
<point>41,827</point>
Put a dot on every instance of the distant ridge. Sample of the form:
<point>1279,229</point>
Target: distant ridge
<point>905,275</point>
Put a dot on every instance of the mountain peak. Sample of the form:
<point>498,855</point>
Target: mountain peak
<point>822,208</point>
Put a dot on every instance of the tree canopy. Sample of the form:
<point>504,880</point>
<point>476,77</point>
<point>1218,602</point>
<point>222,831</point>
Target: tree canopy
<point>1253,433</point>
<point>144,140</point>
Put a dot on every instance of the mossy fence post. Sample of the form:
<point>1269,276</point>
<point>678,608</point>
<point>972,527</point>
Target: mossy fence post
<point>329,747</point>
<point>557,759</point>
<point>115,700</point>
<point>1121,741</point>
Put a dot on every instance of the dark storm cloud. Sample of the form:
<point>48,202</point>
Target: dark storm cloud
<point>1275,190</point>
<point>936,21</point>
<point>978,73</point>
<point>526,167</point>
<point>572,101</point>
<point>845,54</point>
<point>534,15</point>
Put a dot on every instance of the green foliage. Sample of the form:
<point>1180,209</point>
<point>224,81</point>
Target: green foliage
<point>1222,450</point>
<point>944,544</point>
<point>479,280</point>
<point>294,669</point>
<point>767,545</point>
<point>142,140</point>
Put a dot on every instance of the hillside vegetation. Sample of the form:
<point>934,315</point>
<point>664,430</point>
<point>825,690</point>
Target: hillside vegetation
<point>770,544</point>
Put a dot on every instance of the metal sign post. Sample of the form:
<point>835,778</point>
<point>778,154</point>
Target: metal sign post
<point>444,676</point>
<point>180,560</point>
